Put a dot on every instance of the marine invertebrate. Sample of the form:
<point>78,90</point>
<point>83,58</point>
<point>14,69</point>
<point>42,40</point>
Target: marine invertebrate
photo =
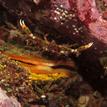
<point>73,21</point>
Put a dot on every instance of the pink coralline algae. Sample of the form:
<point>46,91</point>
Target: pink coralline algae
<point>5,101</point>
<point>65,14</point>
<point>93,18</point>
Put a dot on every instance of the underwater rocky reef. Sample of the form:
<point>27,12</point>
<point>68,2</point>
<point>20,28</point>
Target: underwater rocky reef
<point>53,53</point>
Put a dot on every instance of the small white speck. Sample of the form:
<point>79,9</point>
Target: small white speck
<point>57,12</point>
<point>43,96</point>
<point>62,52</point>
<point>61,17</point>
<point>73,26</point>
<point>61,6</point>
<point>55,18</point>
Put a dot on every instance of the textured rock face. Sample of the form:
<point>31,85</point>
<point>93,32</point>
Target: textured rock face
<point>60,15</point>
<point>5,101</point>
<point>67,17</point>
<point>64,17</point>
<point>94,17</point>
<point>95,20</point>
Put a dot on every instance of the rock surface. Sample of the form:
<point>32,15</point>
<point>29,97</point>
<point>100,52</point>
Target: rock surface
<point>6,101</point>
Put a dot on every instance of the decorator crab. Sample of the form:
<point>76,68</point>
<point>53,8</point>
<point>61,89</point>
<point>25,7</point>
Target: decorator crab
<point>63,28</point>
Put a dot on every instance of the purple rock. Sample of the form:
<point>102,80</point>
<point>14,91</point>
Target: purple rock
<point>6,101</point>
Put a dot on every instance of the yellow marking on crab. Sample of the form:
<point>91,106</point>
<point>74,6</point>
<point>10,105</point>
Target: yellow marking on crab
<point>88,45</point>
<point>85,47</point>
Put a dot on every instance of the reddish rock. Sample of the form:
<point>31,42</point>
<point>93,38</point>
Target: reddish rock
<point>94,19</point>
